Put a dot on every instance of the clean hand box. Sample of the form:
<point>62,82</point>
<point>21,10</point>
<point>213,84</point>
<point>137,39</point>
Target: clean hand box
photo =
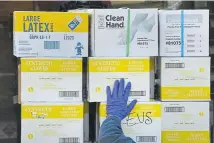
<point>124,32</point>
<point>185,122</point>
<point>184,32</point>
<point>52,123</point>
<point>143,124</point>
<point>51,80</point>
<point>103,72</point>
<point>50,34</point>
<point>185,79</point>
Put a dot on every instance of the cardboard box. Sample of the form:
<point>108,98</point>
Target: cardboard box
<point>184,32</point>
<point>112,29</point>
<point>185,79</point>
<point>40,34</point>
<point>55,123</point>
<point>185,122</point>
<point>51,79</point>
<point>104,71</point>
<point>143,124</point>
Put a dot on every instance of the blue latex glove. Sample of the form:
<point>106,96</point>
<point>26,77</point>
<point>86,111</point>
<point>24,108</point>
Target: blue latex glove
<point>117,100</point>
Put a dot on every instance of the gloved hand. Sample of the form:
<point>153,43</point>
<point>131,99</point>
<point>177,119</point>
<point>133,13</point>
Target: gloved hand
<point>117,100</point>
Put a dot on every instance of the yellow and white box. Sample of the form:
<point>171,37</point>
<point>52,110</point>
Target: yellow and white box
<point>184,32</point>
<point>185,122</point>
<point>55,123</point>
<point>104,71</point>
<point>50,34</point>
<point>51,79</point>
<point>143,124</point>
<point>185,78</point>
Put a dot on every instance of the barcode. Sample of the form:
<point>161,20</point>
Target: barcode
<point>189,41</point>
<point>51,45</point>
<point>190,46</point>
<point>174,65</point>
<point>69,140</point>
<point>137,93</point>
<point>146,139</point>
<point>25,49</point>
<point>174,109</point>
<point>68,93</point>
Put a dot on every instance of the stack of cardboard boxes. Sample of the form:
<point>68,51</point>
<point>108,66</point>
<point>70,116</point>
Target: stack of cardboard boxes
<point>122,43</point>
<point>51,46</point>
<point>185,75</point>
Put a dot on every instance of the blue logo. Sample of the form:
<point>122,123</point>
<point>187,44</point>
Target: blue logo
<point>75,22</point>
<point>79,47</point>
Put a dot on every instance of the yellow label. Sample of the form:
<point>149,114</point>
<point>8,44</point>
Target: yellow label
<point>119,65</point>
<point>185,137</point>
<point>140,110</point>
<point>51,65</point>
<point>51,112</point>
<point>50,22</point>
<point>185,93</point>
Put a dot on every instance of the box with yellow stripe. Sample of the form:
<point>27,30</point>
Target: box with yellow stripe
<point>50,34</point>
<point>185,78</point>
<point>104,71</point>
<point>51,79</point>
<point>54,123</point>
<point>143,124</point>
<point>185,122</point>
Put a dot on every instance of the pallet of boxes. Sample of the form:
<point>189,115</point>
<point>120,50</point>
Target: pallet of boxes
<point>50,46</point>
<point>124,44</point>
<point>185,75</point>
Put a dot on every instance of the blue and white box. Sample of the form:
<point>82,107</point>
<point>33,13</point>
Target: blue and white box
<point>184,32</point>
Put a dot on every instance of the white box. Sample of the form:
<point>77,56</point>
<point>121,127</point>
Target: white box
<point>143,124</point>
<point>51,79</point>
<point>185,122</point>
<point>185,79</point>
<point>40,34</point>
<point>104,71</point>
<point>111,27</point>
<point>54,123</point>
<point>184,32</point>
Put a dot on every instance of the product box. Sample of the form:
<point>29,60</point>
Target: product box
<point>185,122</point>
<point>185,78</point>
<point>123,32</point>
<point>55,123</point>
<point>143,124</point>
<point>184,32</point>
<point>103,72</point>
<point>40,34</point>
<point>51,79</point>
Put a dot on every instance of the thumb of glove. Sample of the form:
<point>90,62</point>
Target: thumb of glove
<point>131,106</point>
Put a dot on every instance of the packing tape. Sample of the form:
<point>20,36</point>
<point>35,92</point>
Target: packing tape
<point>128,35</point>
<point>182,33</point>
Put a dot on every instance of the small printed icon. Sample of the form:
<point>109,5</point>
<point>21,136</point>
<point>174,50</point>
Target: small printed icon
<point>75,22</point>
<point>30,136</point>
<point>98,89</point>
<point>79,47</point>
<point>30,89</point>
<point>201,113</point>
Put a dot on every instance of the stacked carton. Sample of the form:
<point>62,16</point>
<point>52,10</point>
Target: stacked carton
<point>51,46</point>
<point>185,75</point>
<point>123,45</point>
